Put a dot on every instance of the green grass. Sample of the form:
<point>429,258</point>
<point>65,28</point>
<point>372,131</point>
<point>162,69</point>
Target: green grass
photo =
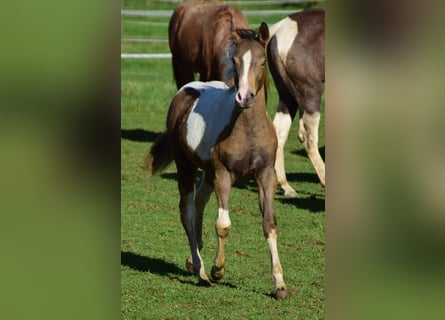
<point>154,282</point>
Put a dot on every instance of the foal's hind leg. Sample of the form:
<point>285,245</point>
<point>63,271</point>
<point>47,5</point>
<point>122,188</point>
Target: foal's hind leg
<point>189,218</point>
<point>282,123</point>
<point>266,180</point>
<point>205,189</point>
<point>308,135</point>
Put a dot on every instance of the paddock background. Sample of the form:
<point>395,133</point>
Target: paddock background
<point>153,243</point>
<point>60,161</point>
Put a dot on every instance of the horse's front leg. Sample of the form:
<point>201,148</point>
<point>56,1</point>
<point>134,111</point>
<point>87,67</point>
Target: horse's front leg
<point>266,190</point>
<point>223,184</point>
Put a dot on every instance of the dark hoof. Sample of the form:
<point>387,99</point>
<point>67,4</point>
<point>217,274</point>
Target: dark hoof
<point>217,273</point>
<point>204,283</point>
<point>281,294</point>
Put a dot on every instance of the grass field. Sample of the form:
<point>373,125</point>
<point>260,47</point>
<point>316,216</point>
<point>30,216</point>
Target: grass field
<point>154,283</point>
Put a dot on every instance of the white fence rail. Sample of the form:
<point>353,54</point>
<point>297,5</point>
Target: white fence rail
<point>168,13</point>
<point>146,55</point>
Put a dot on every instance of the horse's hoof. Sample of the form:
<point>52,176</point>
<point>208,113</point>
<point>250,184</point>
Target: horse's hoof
<point>204,283</point>
<point>189,265</point>
<point>217,273</point>
<point>281,294</point>
<point>290,193</point>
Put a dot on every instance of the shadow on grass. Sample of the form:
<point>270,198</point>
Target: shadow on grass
<point>297,177</point>
<point>139,135</point>
<point>162,268</point>
<point>302,152</point>
<point>152,265</point>
<point>246,183</point>
<point>311,203</point>
<point>169,176</point>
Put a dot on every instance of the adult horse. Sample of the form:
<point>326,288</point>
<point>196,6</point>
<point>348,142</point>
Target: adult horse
<point>296,60</point>
<point>200,33</point>
<point>226,132</point>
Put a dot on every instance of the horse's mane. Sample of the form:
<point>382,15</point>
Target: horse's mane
<point>229,68</point>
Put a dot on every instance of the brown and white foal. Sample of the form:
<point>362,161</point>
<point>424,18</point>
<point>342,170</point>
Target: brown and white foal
<point>226,132</point>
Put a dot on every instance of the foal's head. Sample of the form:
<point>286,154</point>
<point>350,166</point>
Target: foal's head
<point>249,62</point>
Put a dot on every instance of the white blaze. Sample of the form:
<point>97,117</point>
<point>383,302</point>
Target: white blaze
<point>247,60</point>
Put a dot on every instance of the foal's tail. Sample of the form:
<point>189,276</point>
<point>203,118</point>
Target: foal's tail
<point>160,155</point>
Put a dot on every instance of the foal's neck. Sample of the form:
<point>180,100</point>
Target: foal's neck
<point>258,109</point>
<point>253,118</point>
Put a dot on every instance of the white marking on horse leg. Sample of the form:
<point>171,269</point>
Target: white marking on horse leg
<point>222,227</point>
<point>282,123</point>
<point>301,131</point>
<point>223,221</point>
<point>311,123</point>
<point>189,225</point>
<point>277,272</point>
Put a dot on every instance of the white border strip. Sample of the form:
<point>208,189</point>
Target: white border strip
<point>146,55</point>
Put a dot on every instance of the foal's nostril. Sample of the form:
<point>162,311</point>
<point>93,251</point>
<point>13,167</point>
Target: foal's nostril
<point>249,97</point>
<point>239,97</point>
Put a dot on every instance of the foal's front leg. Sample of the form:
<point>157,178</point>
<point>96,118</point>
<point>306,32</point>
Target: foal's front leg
<point>223,184</point>
<point>266,190</point>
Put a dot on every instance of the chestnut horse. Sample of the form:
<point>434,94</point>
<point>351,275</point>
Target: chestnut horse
<point>200,33</point>
<point>296,55</point>
<point>226,132</point>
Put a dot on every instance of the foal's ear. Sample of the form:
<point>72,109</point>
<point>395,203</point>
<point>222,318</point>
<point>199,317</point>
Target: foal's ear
<point>236,37</point>
<point>263,34</point>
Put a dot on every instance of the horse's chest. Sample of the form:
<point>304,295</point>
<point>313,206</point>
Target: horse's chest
<point>243,156</point>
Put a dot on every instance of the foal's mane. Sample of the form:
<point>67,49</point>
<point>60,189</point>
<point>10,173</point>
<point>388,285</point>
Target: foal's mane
<point>229,69</point>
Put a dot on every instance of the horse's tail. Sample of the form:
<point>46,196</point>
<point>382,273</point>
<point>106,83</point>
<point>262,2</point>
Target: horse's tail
<point>160,155</point>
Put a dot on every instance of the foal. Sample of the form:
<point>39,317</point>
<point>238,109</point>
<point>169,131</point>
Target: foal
<point>226,132</point>
<point>296,60</point>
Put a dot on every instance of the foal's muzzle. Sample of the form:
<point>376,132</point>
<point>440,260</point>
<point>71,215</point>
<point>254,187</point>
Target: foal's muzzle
<point>245,97</point>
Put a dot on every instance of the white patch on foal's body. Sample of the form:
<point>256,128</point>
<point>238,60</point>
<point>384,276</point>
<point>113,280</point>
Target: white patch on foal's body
<point>210,113</point>
<point>285,30</point>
